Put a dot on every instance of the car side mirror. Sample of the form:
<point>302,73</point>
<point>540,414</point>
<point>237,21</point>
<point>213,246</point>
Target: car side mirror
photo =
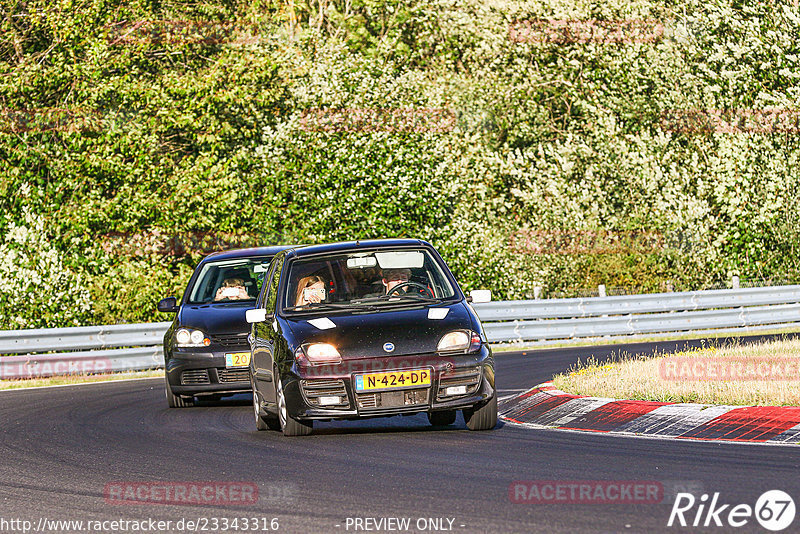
<point>169,304</point>
<point>480,296</point>
<point>257,315</point>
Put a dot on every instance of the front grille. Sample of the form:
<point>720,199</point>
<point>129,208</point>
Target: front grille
<point>469,377</point>
<point>233,375</point>
<point>313,390</point>
<point>195,376</point>
<point>393,399</point>
<point>230,340</point>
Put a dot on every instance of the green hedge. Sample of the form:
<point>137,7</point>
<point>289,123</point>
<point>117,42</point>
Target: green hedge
<point>127,151</point>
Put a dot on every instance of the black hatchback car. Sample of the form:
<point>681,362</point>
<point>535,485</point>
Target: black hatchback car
<point>367,329</point>
<point>206,350</point>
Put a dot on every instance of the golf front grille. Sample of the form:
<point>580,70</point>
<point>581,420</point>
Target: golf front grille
<point>195,376</point>
<point>233,375</point>
<point>231,340</point>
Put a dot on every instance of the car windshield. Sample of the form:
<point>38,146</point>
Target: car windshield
<point>233,280</point>
<point>372,279</point>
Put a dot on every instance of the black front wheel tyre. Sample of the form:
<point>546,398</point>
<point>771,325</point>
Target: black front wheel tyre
<point>262,423</point>
<point>290,426</point>
<point>174,401</point>
<point>482,418</point>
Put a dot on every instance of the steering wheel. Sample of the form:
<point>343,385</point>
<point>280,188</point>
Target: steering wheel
<point>423,289</point>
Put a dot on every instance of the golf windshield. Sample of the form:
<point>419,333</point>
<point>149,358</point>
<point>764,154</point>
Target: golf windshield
<point>376,278</point>
<point>229,281</point>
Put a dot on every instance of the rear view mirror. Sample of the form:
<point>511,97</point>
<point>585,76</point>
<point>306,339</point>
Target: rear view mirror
<point>169,304</point>
<point>361,262</point>
<point>258,315</point>
<point>480,296</point>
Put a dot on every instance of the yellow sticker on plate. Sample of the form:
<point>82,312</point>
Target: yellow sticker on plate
<point>394,380</point>
<point>237,359</point>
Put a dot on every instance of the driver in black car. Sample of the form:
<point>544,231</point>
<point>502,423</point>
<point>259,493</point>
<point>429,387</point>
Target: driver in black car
<point>395,277</point>
<point>390,278</point>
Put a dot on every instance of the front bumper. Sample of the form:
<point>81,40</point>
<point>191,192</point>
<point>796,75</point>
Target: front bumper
<point>306,387</point>
<point>200,372</point>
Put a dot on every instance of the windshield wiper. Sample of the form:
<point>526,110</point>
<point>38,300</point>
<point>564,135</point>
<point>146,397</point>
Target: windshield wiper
<point>400,298</point>
<point>319,306</point>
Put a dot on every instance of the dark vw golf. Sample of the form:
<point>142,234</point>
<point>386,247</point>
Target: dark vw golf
<point>367,329</point>
<point>206,352</point>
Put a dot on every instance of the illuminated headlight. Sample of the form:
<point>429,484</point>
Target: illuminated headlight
<point>456,390</point>
<point>191,338</point>
<point>318,354</point>
<point>459,340</point>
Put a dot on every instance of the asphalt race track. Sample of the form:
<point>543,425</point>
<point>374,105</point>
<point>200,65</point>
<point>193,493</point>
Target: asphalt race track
<point>61,446</point>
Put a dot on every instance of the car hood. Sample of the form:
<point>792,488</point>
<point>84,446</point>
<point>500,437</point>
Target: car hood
<point>215,319</point>
<point>364,335</point>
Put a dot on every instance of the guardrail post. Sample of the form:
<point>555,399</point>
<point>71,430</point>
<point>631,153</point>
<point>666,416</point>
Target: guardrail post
<point>537,292</point>
<point>601,290</point>
<point>735,282</point>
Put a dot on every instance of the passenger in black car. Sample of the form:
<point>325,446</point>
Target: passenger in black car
<point>310,290</point>
<point>231,289</point>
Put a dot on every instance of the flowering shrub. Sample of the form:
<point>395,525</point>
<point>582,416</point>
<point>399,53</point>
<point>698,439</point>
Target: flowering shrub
<point>36,289</point>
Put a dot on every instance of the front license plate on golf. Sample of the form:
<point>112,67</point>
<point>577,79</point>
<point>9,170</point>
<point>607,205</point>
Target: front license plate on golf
<point>393,380</point>
<point>237,359</point>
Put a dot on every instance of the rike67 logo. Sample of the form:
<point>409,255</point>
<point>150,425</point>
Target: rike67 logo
<point>774,510</point>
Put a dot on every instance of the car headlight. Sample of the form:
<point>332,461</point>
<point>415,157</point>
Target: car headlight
<point>459,340</point>
<point>318,354</point>
<point>191,338</point>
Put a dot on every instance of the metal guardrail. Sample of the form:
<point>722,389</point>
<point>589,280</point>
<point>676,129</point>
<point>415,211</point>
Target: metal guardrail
<point>95,349</point>
<point>142,342</point>
<point>636,304</point>
<point>562,320</point>
<point>83,337</point>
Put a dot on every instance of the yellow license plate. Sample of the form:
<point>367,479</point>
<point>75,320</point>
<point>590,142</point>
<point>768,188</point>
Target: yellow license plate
<point>237,359</point>
<point>394,380</point>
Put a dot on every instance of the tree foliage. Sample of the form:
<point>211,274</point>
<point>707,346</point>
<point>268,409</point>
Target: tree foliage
<point>150,120</point>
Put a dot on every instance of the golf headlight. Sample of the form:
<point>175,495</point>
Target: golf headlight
<point>458,341</point>
<point>320,353</point>
<point>191,338</point>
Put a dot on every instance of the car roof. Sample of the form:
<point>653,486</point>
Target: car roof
<point>246,252</point>
<point>309,250</point>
